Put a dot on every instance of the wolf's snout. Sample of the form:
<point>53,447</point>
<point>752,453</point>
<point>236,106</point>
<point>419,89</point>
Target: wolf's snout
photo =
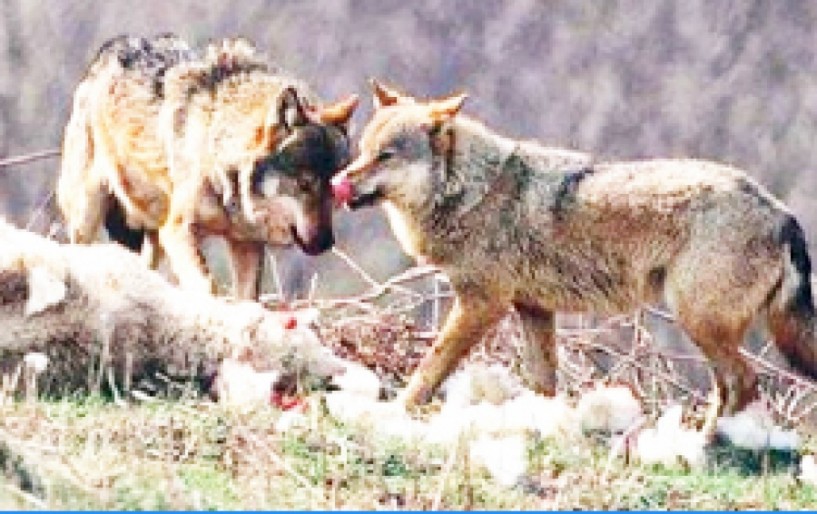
<point>316,242</point>
<point>342,190</point>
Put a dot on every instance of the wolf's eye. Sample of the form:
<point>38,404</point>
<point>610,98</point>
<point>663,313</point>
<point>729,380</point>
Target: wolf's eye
<point>385,155</point>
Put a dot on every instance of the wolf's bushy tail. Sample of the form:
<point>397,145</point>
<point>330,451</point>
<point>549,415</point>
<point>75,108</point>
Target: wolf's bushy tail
<point>791,314</point>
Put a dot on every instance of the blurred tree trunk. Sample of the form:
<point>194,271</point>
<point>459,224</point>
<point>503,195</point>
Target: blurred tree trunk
<point>11,61</point>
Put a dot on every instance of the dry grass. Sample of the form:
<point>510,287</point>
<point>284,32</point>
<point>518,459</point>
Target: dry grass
<point>94,454</point>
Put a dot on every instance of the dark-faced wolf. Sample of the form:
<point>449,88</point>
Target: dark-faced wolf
<point>519,225</point>
<point>180,146</point>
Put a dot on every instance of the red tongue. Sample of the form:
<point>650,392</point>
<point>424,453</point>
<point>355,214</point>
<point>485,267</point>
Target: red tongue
<point>342,191</point>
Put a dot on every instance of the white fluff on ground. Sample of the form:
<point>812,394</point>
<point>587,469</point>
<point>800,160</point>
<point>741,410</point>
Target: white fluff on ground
<point>240,385</point>
<point>754,429</point>
<point>670,443</point>
<point>489,400</point>
<point>608,408</point>
<point>291,419</point>
<point>470,409</point>
<point>488,409</point>
<point>808,470</point>
<point>479,382</point>
<point>504,458</point>
<point>386,419</point>
<point>528,412</point>
<point>356,403</point>
<point>36,362</point>
<point>547,416</point>
<point>358,380</point>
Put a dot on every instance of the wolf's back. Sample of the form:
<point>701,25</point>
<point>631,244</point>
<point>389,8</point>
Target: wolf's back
<point>149,58</point>
<point>135,66</point>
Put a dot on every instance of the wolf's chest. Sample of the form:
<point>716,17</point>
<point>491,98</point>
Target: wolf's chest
<point>407,234</point>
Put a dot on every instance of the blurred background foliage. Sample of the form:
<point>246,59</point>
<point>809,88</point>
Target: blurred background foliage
<point>733,81</point>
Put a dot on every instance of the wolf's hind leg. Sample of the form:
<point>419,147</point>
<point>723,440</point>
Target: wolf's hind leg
<point>716,288</point>
<point>539,361</point>
<point>467,322</point>
<point>736,380</point>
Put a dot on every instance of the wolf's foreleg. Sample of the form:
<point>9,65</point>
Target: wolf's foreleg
<point>151,250</point>
<point>187,263</point>
<point>468,321</point>
<point>181,245</point>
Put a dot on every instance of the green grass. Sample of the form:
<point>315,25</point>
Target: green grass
<point>93,454</point>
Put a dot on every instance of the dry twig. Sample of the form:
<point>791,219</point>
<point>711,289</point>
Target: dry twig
<point>29,157</point>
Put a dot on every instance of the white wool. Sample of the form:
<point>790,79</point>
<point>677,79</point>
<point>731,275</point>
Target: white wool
<point>528,412</point>
<point>691,446</point>
<point>780,439</point>
<point>669,443</point>
<point>359,380</point>
<point>480,382</point>
<point>505,457</point>
<point>613,409</point>
<point>351,408</point>
<point>753,428</point>
<point>484,399</point>
<point>546,416</point>
<point>404,427</point>
<point>651,448</point>
<point>387,419</point>
<point>744,430</point>
<point>291,419</point>
<point>45,289</point>
<point>36,362</point>
<point>453,421</point>
<point>239,384</point>
<point>671,420</point>
<point>808,470</point>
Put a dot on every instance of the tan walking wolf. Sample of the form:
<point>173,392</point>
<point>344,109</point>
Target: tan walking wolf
<point>183,146</point>
<point>516,224</point>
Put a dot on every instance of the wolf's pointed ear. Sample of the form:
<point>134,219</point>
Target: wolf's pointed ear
<point>291,111</point>
<point>384,96</point>
<point>340,112</point>
<point>447,108</point>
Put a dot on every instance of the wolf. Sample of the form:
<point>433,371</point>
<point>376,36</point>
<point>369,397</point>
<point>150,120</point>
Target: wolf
<point>515,224</point>
<point>166,145</point>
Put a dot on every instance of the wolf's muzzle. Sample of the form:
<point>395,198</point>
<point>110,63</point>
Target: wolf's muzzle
<point>365,199</point>
<point>319,243</point>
